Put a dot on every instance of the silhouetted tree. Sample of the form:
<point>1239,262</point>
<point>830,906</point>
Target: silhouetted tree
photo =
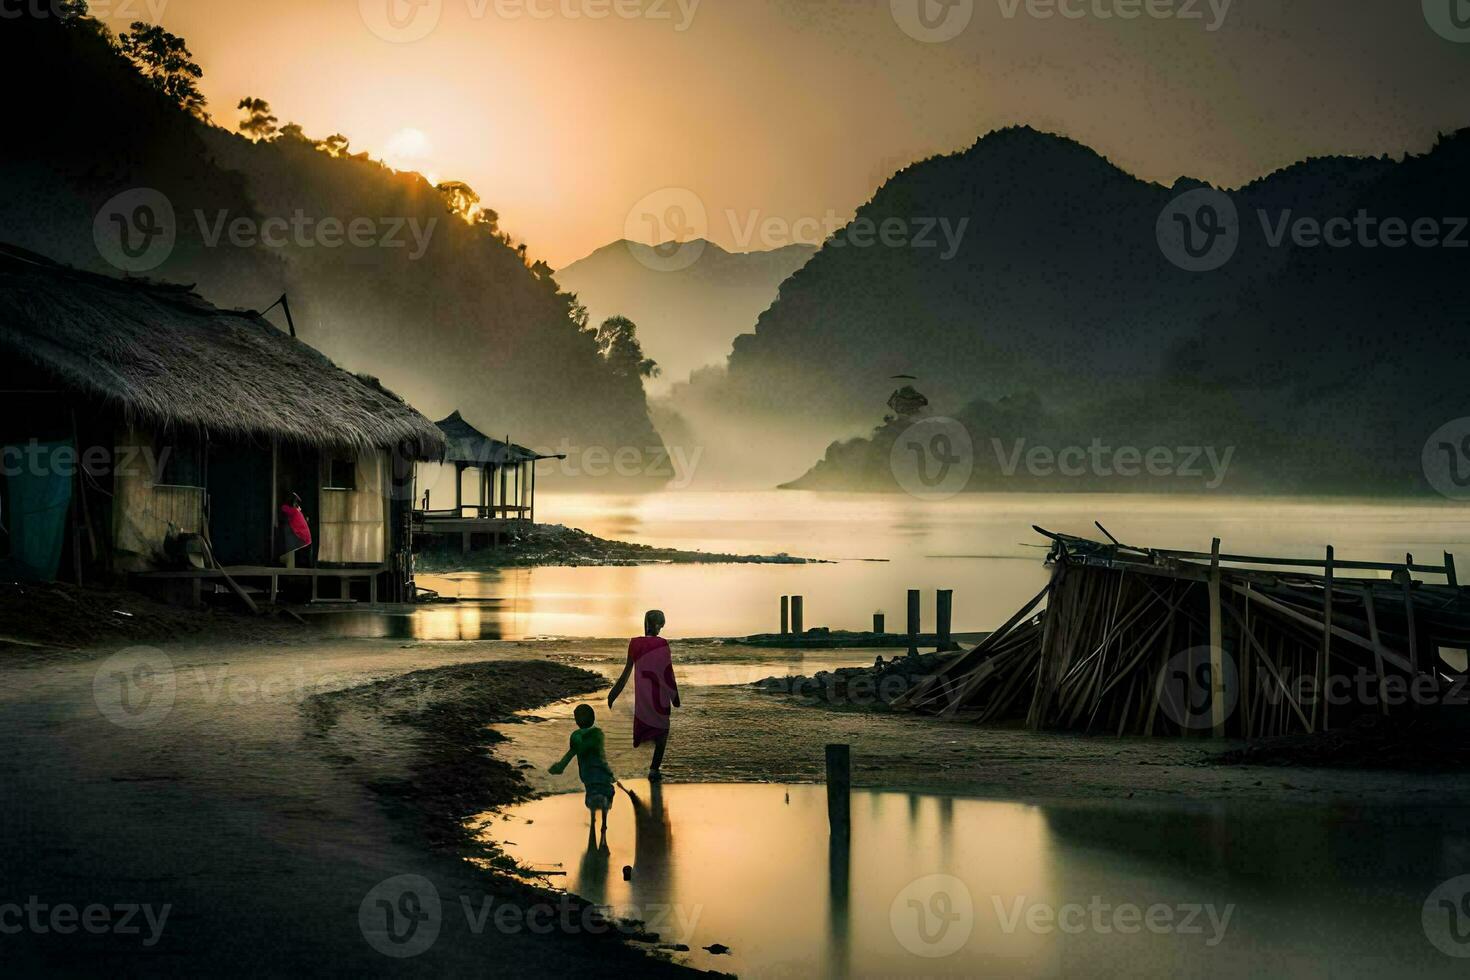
<point>617,340</point>
<point>463,201</point>
<point>259,122</point>
<point>164,60</point>
<point>334,145</point>
<point>292,131</point>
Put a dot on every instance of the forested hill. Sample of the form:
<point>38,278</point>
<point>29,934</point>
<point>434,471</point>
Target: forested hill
<point>1337,319</point>
<point>385,273</point>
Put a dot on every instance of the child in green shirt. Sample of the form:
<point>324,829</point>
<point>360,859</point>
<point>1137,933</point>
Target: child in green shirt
<point>597,775</point>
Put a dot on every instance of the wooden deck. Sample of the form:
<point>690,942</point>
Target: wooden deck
<point>266,578</point>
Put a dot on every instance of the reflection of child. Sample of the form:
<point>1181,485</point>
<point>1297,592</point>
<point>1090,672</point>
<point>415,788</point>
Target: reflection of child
<point>597,775</point>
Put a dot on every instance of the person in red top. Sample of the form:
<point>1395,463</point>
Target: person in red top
<point>655,692</point>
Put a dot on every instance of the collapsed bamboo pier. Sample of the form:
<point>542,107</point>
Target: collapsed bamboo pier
<point>1146,641</point>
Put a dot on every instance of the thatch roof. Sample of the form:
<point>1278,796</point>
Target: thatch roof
<point>165,357</point>
<point>467,444</point>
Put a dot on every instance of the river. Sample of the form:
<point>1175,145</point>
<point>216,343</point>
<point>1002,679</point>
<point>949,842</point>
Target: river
<point>880,545</point>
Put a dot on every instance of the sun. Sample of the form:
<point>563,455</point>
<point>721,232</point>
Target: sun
<point>408,149</point>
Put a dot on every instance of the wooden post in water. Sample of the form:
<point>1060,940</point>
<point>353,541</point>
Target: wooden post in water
<point>1449,571</point>
<point>913,625</point>
<point>878,623</point>
<point>785,615</point>
<point>943,614</point>
<point>839,789</point>
<point>1326,679</point>
<point>796,623</point>
<point>1217,652</point>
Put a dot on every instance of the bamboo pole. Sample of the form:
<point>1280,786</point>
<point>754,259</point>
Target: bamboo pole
<point>1217,652</point>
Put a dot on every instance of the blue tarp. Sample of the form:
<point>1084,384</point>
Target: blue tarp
<point>39,489</point>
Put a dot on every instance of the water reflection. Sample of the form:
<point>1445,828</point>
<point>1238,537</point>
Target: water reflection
<point>981,545</point>
<point>957,887</point>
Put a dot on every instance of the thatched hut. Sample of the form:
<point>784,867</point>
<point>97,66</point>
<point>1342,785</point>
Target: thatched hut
<point>149,433</point>
<point>505,485</point>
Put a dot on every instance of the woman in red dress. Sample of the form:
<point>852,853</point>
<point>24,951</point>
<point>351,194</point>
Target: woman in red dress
<point>654,690</point>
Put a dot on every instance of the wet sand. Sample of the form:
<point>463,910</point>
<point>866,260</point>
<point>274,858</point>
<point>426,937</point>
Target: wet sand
<point>264,831</point>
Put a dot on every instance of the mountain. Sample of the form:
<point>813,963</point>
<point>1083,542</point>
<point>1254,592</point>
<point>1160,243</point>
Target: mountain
<point>686,315</point>
<point>382,276</point>
<point>1063,285</point>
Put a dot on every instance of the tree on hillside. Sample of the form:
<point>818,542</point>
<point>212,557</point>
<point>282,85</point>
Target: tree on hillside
<point>334,145</point>
<point>617,340</point>
<point>464,202</point>
<point>164,60</point>
<point>259,122</point>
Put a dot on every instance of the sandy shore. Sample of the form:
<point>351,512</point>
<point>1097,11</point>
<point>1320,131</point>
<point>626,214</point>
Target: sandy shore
<point>269,792</point>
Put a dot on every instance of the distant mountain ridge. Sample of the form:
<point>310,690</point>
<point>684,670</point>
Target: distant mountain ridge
<point>1061,289</point>
<point>686,315</point>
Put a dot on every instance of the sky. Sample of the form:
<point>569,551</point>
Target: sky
<point>756,122</point>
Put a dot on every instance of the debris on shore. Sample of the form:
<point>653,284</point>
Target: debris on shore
<point>556,544</point>
<point>1149,641</point>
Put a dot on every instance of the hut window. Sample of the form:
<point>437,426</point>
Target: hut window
<point>181,462</point>
<point>341,473</point>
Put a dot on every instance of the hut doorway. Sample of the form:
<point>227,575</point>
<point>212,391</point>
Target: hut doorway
<point>298,471</point>
<point>241,511</point>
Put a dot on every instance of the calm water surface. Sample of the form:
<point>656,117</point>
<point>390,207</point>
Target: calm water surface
<point>940,886</point>
<point>980,545</point>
